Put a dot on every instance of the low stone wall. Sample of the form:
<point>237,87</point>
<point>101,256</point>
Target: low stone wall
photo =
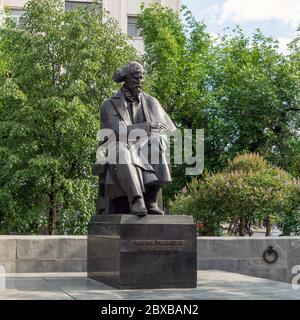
<point>43,253</point>
<point>234,254</point>
<point>245,255</point>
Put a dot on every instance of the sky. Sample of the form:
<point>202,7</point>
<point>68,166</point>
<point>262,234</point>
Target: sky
<point>277,18</point>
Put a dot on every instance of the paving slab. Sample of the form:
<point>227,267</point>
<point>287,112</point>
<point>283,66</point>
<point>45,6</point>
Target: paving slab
<point>31,288</point>
<point>212,285</point>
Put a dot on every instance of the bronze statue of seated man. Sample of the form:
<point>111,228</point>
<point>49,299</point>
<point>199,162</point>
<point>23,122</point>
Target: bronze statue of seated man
<point>139,125</point>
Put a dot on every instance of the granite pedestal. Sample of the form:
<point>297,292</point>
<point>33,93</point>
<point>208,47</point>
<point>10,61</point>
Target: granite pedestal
<point>130,252</point>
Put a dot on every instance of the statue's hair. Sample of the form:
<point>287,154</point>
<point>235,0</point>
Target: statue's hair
<point>129,68</point>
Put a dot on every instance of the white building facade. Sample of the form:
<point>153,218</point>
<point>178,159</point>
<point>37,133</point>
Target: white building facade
<point>124,11</point>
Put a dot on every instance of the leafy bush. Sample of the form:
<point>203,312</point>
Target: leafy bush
<point>248,187</point>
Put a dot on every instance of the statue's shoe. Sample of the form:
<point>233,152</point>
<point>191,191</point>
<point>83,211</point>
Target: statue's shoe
<point>138,208</point>
<point>151,200</point>
<point>141,213</point>
<point>154,209</point>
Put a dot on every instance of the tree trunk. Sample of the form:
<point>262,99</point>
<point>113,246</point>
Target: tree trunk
<point>52,209</point>
<point>233,227</point>
<point>242,226</point>
<point>268,227</point>
<point>50,221</point>
<point>248,226</point>
<point>286,231</point>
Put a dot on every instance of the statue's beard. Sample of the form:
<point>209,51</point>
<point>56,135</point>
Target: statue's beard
<point>134,89</point>
<point>136,92</point>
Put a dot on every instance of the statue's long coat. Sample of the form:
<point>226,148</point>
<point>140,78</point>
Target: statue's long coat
<point>115,116</point>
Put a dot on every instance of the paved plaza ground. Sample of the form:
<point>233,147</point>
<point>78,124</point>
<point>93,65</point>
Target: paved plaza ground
<point>211,285</point>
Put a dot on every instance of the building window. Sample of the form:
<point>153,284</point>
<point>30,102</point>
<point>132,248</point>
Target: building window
<point>132,26</point>
<point>17,15</point>
<point>71,5</point>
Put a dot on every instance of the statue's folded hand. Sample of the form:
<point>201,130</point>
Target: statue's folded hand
<point>157,127</point>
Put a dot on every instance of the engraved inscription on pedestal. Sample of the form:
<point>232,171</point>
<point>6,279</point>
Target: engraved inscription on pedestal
<point>158,246</point>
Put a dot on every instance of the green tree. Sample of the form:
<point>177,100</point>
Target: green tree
<point>241,90</point>
<point>257,90</point>
<point>290,145</point>
<point>248,189</point>
<point>59,69</point>
<point>177,61</point>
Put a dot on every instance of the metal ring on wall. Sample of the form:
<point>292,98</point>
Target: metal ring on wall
<point>270,255</point>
